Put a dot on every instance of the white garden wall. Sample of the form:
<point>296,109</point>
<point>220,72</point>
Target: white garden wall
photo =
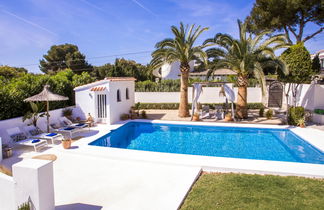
<point>310,96</point>
<point>32,181</point>
<point>41,123</point>
<point>209,95</point>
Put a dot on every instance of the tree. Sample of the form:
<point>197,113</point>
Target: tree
<point>247,56</point>
<point>299,66</point>
<point>64,56</point>
<point>8,72</point>
<point>290,16</point>
<point>180,48</point>
<point>123,68</point>
<point>316,64</point>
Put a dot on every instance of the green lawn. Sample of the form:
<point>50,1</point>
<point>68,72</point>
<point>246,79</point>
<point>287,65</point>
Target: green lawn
<point>241,191</point>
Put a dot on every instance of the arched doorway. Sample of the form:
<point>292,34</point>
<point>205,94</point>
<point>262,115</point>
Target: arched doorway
<point>275,94</point>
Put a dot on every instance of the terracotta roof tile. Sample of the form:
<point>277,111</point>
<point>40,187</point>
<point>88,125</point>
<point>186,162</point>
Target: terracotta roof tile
<point>98,88</point>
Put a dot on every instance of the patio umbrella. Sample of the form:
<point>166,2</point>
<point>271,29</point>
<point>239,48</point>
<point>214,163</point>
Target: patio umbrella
<point>47,96</point>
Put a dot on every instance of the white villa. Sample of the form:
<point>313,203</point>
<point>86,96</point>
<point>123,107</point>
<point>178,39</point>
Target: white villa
<point>170,71</point>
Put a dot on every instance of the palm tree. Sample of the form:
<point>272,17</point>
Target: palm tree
<point>180,48</point>
<point>247,56</point>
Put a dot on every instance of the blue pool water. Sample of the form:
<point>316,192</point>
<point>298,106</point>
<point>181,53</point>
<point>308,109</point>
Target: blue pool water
<point>234,142</point>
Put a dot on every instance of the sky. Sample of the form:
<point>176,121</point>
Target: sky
<point>106,29</point>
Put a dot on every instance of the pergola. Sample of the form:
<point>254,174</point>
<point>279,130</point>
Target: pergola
<point>225,91</point>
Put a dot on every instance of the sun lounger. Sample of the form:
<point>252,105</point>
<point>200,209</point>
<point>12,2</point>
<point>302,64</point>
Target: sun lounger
<point>64,129</point>
<point>19,137</point>
<point>66,122</point>
<point>205,112</point>
<point>35,132</point>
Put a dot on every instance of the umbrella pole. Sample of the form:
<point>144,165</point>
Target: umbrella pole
<point>47,115</point>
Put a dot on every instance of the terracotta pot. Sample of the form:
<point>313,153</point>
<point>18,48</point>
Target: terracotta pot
<point>302,126</point>
<point>66,144</point>
<point>228,118</point>
<point>195,118</point>
<point>7,152</point>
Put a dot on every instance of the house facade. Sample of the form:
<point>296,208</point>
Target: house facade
<point>106,100</point>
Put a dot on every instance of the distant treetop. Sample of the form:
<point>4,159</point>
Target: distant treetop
<point>64,56</point>
<point>289,16</point>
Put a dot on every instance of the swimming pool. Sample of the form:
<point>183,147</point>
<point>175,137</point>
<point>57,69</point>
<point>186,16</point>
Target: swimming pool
<point>217,141</point>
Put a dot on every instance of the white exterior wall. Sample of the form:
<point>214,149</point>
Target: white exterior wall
<point>85,99</point>
<point>32,181</point>
<point>7,192</point>
<point>209,95</point>
<point>310,96</point>
<point>118,108</point>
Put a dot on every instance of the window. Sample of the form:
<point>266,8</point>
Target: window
<point>118,96</point>
<point>127,96</point>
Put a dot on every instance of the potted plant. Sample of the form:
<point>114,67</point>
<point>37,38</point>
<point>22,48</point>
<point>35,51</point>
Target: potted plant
<point>261,112</point>
<point>301,123</point>
<point>6,151</point>
<point>195,117</point>
<point>228,117</point>
<point>67,113</point>
<point>124,117</point>
<point>66,143</point>
<point>143,114</point>
<point>35,114</point>
<point>137,108</point>
<point>269,114</point>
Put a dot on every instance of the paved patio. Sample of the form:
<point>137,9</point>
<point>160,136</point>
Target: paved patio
<point>93,182</point>
<point>164,114</point>
<point>91,178</point>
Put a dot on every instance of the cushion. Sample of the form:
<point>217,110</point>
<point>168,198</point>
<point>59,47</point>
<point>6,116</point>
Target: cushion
<point>80,124</point>
<point>68,129</point>
<point>18,137</point>
<point>51,134</point>
<point>35,141</point>
<point>53,125</point>
<point>35,131</point>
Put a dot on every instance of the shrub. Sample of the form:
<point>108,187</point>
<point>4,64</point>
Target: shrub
<point>261,112</point>
<point>176,105</point>
<point>124,117</point>
<point>24,206</point>
<point>294,114</point>
<point>143,114</point>
<point>67,112</point>
<point>269,114</point>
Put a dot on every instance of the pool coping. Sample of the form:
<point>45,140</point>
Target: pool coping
<point>217,164</point>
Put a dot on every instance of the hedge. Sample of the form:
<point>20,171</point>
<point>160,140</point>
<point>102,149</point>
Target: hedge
<point>319,111</point>
<point>176,105</point>
<point>14,92</point>
<point>174,85</point>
